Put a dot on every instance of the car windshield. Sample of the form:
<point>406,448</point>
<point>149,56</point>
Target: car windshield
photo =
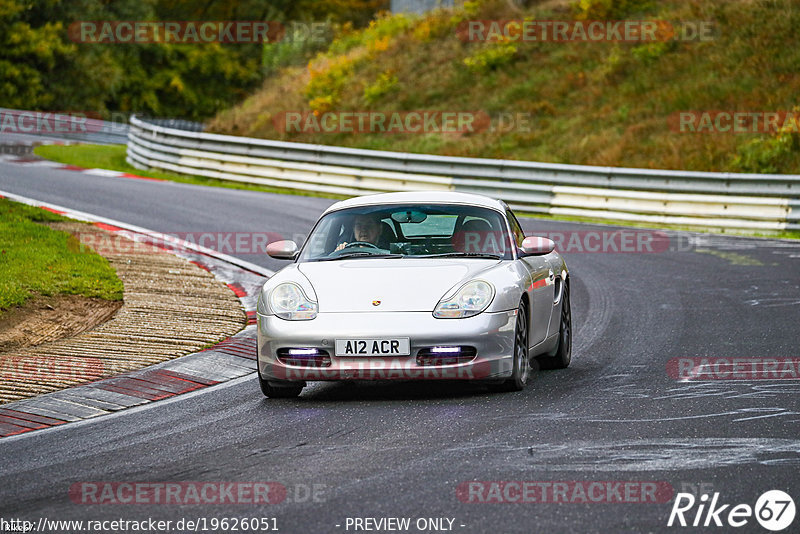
<point>409,230</point>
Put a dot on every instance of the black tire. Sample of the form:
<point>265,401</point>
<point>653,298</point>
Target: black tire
<point>275,391</point>
<point>563,353</point>
<point>521,372</point>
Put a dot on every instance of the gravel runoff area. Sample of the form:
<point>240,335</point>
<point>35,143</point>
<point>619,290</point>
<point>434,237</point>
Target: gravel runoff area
<point>171,308</point>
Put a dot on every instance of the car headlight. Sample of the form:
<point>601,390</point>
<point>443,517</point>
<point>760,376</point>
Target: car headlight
<point>471,299</point>
<point>288,301</point>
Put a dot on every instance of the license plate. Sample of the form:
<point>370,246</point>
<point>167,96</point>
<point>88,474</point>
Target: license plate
<point>373,347</point>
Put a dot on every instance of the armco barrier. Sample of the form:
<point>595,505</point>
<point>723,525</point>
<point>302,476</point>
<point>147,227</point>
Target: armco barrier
<point>704,199</point>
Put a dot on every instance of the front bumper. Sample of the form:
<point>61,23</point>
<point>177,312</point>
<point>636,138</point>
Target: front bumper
<point>491,334</point>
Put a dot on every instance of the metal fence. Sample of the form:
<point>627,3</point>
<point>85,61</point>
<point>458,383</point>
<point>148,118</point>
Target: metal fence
<point>697,199</point>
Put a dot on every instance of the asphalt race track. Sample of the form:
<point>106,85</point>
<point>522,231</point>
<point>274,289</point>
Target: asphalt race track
<point>382,450</point>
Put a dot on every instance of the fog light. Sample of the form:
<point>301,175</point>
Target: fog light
<point>445,350</point>
<point>303,352</point>
<point>445,355</point>
<point>304,357</point>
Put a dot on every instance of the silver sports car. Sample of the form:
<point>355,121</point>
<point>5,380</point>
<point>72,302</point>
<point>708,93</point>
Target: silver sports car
<point>414,286</point>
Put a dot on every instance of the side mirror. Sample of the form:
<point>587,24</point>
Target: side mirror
<point>537,246</point>
<point>283,250</point>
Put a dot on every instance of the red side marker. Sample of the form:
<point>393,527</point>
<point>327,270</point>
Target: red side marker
<point>136,177</point>
<point>110,228</point>
<point>51,210</point>
<point>237,289</point>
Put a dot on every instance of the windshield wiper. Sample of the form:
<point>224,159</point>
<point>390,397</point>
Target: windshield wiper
<point>462,255</point>
<point>350,255</point>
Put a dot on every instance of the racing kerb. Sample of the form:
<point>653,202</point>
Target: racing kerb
<point>225,361</point>
<point>699,199</point>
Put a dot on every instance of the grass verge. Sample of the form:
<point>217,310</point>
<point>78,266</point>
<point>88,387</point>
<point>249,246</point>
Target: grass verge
<point>36,260</point>
<point>606,102</point>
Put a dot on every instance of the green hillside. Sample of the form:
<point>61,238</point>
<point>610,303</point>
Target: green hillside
<point>597,103</point>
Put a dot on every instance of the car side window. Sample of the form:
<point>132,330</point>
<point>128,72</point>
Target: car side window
<point>516,229</point>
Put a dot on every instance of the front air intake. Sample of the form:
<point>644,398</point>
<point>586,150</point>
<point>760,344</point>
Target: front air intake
<point>304,357</point>
<point>445,355</point>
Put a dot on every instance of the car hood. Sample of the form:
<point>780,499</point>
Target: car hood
<point>397,284</point>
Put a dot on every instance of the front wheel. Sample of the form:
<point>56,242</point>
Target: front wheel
<point>273,390</point>
<point>521,365</point>
<point>563,354</point>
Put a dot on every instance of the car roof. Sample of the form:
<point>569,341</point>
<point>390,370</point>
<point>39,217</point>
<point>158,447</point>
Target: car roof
<point>420,197</point>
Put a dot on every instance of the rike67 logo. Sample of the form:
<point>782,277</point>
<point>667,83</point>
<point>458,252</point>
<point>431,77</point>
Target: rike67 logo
<point>774,510</point>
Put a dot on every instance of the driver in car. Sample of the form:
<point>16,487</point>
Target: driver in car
<point>366,229</point>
